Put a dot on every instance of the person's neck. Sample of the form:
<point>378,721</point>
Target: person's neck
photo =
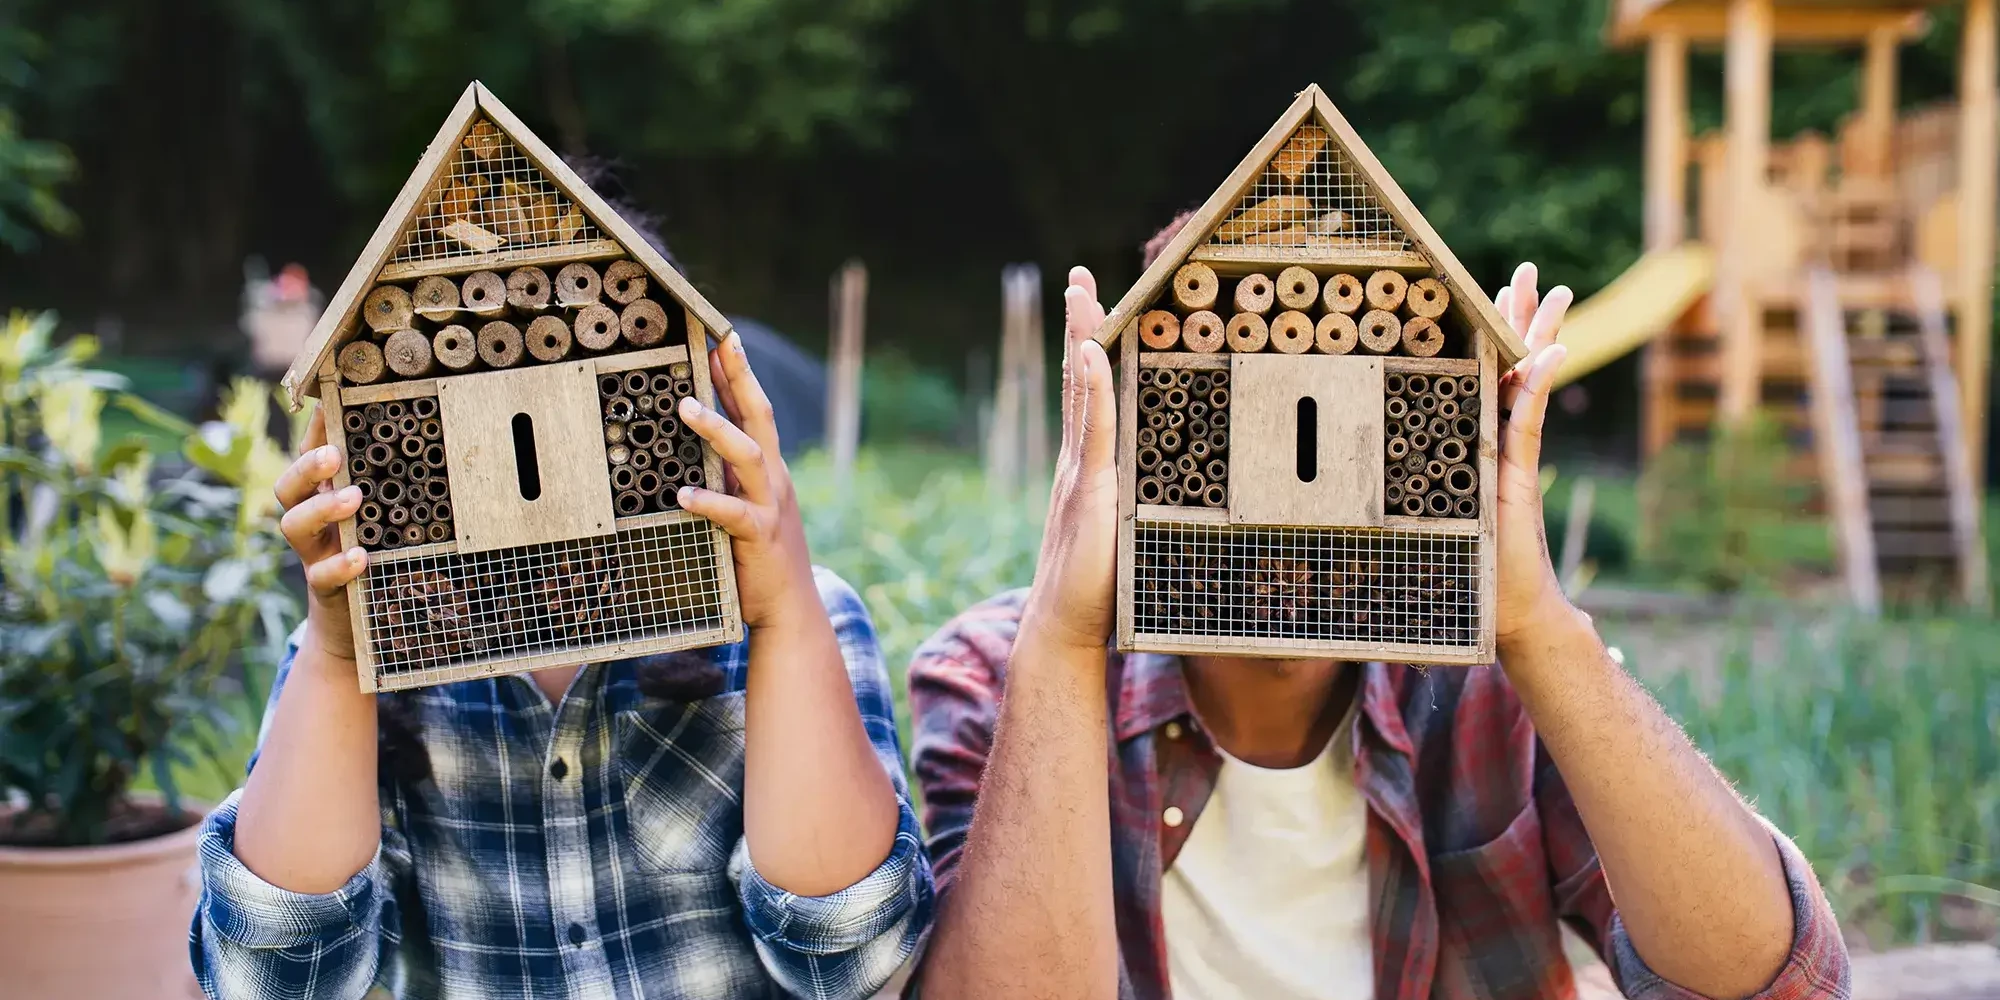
<point>1270,713</point>
<point>554,682</point>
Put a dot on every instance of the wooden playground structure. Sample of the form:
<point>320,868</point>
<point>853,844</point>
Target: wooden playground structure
<point>1839,285</point>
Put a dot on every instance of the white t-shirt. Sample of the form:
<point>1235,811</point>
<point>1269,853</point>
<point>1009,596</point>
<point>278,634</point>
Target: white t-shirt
<point>1268,899</point>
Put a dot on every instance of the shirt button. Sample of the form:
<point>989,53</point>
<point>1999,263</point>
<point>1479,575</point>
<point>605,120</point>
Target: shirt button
<point>1173,816</point>
<point>558,769</point>
<point>1173,730</point>
<point>576,935</point>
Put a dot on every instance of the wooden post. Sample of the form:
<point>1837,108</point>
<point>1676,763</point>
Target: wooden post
<point>1747,121</point>
<point>1978,161</point>
<point>843,395</point>
<point>1878,102</point>
<point>1017,398</point>
<point>1034,370</point>
<point>1666,210</point>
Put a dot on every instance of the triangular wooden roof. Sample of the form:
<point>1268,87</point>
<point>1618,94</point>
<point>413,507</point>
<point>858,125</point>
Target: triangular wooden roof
<point>404,213</point>
<point>1310,105</point>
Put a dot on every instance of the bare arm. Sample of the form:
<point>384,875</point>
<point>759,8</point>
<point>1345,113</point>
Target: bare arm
<point>309,819</point>
<point>1030,914</point>
<point>1696,877</point>
<point>819,810</point>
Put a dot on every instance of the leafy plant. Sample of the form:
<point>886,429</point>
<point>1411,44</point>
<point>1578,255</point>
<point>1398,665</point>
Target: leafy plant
<point>126,599</point>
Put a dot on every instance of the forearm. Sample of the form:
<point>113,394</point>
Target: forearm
<point>818,809</point>
<point>310,818</point>
<point>1695,874</point>
<point>1030,912</point>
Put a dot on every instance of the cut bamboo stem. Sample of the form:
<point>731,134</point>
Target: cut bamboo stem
<point>624,282</point>
<point>361,363</point>
<point>408,353</point>
<point>1196,287</point>
<point>388,309</point>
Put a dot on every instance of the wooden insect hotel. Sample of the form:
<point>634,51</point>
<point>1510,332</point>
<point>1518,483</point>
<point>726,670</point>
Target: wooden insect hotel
<point>503,365</point>
<point>1307,419</point>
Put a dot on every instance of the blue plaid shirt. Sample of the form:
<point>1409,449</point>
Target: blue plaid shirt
<point>593,850</point>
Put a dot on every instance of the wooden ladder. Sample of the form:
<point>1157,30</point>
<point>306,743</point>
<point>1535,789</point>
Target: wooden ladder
<point>1892,459</point>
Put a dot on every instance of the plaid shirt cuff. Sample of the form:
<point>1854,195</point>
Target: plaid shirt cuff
<point>244,909</point>
<point>851,918</point>
<point>1818,966</point>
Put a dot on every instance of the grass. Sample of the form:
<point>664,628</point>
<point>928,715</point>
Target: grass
<point>1871,743</point>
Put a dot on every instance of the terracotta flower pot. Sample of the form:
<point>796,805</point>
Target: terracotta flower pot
<point>102,923</point>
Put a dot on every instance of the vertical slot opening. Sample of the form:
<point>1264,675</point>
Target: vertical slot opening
<point>1308,439</point>
<point>526,468</point>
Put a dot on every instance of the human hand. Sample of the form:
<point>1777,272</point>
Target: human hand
<point>761,509</point>
<point>1075,575</point>
<point>1530,595</point>
<point>313,510</point>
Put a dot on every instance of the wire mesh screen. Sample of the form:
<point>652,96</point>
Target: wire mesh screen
<point>438,610</point>
<point>1341,585</point>
<point>1311,196</point>
<point>492,198</point>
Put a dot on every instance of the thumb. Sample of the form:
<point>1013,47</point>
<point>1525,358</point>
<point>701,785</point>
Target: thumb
<point>1082,313</point>
<point>1098,433</point>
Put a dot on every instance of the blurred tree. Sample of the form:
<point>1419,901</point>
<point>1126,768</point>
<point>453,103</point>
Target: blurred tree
<point>30,169</point>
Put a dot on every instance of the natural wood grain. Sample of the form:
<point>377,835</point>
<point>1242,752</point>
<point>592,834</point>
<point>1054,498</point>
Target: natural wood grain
<point>643,323</point>
<point>1298,154</point>
<point>479,413</point>
<point>473,236</point>
<point>1843,474</point>
<point>624,282</point>
<point>1255,293</point>
<point>1264,483</point>
<point>357,605</point>
<point>658,357</point>
<point>408,354</point>
<point>529,290</point>
<point>1160,330</point>
<point>609,652</point>
<point>548,338</point>
<point>1188,645</point>
<point>483,294</point>
<point>455,347</point>
<point>1332,256</point>
<point>435,297</point>
<point>500,260</point>
<point>1128,474</point>
<point>1336,334</point>
<point>1297,288</point>
<point>387,309</point>
<point>1978,197</point>
<point>1247,333</point>
<point>500,344</point>
<point>1292,332</point>
<point>1196,287</point>
<point>1184,359</point>
<point>596,327</point>
<point>1203,332</point>
<point>1488,454</point>
<point>361,362</point>
<point>1432,366</point>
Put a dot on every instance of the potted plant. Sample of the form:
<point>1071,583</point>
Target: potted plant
<point>130,603</point>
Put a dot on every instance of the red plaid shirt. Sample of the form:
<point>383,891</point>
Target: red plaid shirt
<point>1475,850</point>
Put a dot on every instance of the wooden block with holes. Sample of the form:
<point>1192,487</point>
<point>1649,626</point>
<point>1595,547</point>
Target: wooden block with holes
<point>1308,436</point>
<point>502,367</point>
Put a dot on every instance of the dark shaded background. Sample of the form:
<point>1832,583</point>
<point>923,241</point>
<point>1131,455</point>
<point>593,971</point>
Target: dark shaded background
<point>934,139</point>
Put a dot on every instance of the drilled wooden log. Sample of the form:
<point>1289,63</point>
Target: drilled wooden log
<point>578,285</point>
<point>1255,294</point>
<point>1160,330</point>
<point>1248,333</point>
<point>596,327</point>
<point>500,344</point>
<point>1196,287</point>
<point>360,363</point>
<point>624,282</point>
<point>548,338</point>
<point>1202,332</point>
<point>483,293</point>
<point>1422,338</point>
<point>408,354</point>
<point>454,348</point>
<point>388,309</point>
<point>1380,331</point>
<point>1386,290</point>
<point>1342,293</point>
<point>1427,298</point>
<point>1292,332</point>
<point>1336,333</point>
<point>1297,288</point>
<point>643,323</point>
<point>528,290</point>
<point>435,297</point>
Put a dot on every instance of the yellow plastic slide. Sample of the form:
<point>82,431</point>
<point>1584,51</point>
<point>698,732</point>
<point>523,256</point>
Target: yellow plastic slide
<point>1634,308</point>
